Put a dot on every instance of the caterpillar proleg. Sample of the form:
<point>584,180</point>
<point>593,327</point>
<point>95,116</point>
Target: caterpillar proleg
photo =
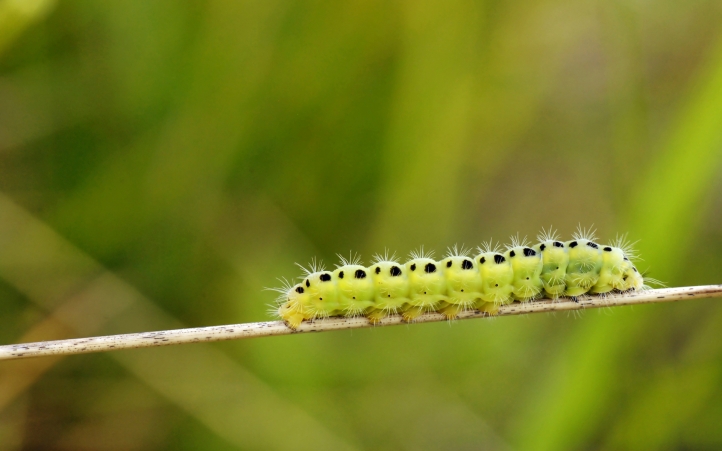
<point>459,282</point>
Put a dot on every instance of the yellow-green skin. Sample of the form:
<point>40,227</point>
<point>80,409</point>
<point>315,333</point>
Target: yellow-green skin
<point>292,310</point>
<point>497,278</point>
<point>391,286</point>
<point>356,289</point>
<point>555,260</point>
<point>322,299</point>
<point>458,283</point>
<point>427,287</point>
<point>585,262</point>
<point>463,285</point>
<point>612,274</point>
<point>526,265</point>
<point>632,279</point>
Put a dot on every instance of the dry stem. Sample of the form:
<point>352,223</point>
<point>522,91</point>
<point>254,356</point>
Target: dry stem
<point>248,330</point>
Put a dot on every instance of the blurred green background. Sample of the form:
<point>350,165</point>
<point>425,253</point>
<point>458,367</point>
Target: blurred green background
<point>162,162</point>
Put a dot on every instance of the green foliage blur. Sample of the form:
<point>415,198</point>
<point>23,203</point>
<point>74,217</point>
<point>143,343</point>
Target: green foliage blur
<point>161,162</point>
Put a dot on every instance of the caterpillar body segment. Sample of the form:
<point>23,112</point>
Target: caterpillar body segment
<point>322,297</point>
<point>356,291</point>
<point>555,259</point>
<point>391,285</point>
<point>459,282</point>
<point>526,265</point>
<point>463,284</point>
<point>585,262</point>
<point>427,287</point>
<point>497,278</point>
<point>612,273</point>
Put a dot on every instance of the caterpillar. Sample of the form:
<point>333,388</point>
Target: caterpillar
<point>459,282</point>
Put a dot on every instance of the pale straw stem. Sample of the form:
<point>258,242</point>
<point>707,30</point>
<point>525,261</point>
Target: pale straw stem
<point>269,328</point>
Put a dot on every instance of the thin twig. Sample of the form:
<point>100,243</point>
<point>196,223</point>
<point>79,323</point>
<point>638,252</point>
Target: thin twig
<point>249,330</point>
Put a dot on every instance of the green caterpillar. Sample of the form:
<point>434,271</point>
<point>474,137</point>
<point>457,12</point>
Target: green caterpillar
<point>459,282</point>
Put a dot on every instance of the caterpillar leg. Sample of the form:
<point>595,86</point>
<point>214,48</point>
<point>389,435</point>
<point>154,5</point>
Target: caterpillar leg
<point>554,292</point>
<point>492,308</point>
<point>412,313</point>
<point>451,311</point>
<point>574,292</point>
<point>385,306</point>
<point>293,319</point>
<point>601,290</point>
<point>375,316</point>
<point>291,313</point>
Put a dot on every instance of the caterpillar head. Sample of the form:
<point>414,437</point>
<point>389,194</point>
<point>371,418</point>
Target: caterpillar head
<point>497,276</point>
<point>292,310</point>
<point>297,296</point>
